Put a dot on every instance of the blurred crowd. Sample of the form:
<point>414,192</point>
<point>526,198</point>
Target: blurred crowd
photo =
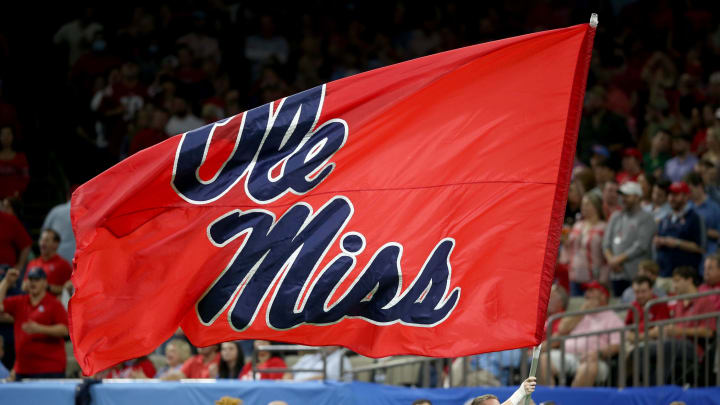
<point>643,211</point>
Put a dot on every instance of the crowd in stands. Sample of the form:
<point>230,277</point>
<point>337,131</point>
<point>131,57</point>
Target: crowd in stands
<point>643,212</point>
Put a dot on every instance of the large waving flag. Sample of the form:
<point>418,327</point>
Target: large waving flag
<point>412,209</point>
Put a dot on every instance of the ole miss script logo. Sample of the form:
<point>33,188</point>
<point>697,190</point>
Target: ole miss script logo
<point>281,149</point>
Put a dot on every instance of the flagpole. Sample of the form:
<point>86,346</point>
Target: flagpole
<point>533,367</point>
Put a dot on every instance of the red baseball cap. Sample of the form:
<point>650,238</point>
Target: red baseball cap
<point>679,187</point>
<point>597,286</point>
<point>633,152</point>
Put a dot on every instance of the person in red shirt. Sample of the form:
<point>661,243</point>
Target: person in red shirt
<point>197,366</point>
<point>58,270</point>
<point>141,367</point>
<point>14,169</point>
<point>642,287</point>
<point>40,327</point>
<point>684,283</point>
<point>265,360</point>
<point>631,166</point>
<point>711,276</point>
<point>15,242</point>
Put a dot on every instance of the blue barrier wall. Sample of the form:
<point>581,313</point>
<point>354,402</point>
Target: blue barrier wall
<point>317,393</point>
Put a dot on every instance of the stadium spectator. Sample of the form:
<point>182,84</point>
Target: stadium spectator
<point>231,362</point>
<point>713,146</point>
<point>678,348</point>
<point>585,357</point>
<point>649,269</point>
<point>58,219</point>
<point>182,119</point>
<point>631,166</point>
<point>654,159</point>
<point>77,34</point>
<point>611,199</point>
<point>197,366</point>
<point>15,242</point>
<point>627,238</point>
<point>40,327</point>
<point>646,182</point>
<point>57,269</point>
<point>517,398</point>
<point>14,169</point>
<point>711,278</point>
<point>684,161</point>
<point>138,368</point>
<point>585,246</point>
<point>177,351</point>
<point>152,135</point>
<point>708,210</point>
<point>659,206</point>
<point>265,360</point>
<point>4,373</point>
<point>681,237</point>
<point>642,287</point>
<point>709,174</point>
<point>422,401</point>
<point>334,361</point>
<point>266,47</point>
<point>600,125</point>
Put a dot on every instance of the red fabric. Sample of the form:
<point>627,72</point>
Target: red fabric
<point>195,367</point>
<point>13,239</point>
<point>468,147</point>
<point>14,175</point>
<point>58,270</point>
<point>658,312</point>
<point>272,362</point>
<point>37,353</point>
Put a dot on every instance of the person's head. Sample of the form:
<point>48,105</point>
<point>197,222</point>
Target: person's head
<point>208,351</point>
<point>642,287</point>
<point>597,292</point>
<point>603,172</point>
<point>159,119</point>
<point>231,353</point>
<point>262,354</point>
<point>176,352</point>
<point>660,192</point>
<point>600,154</point>
<point>683,279</point>
<point>575,193</point>
<point>180,107</point>
<point>422,401</point>
<point>610,193</point>
<point>707,170</point>
<point>695,183</point>
<point>6,137</point>
<point>37,282</point>
<point>649,269</point>
<point>631,195</point>
<point>713,138</point>
<point>487,399</point>
<point>680,144</point>
<point>632,160</point>
<point>678,196</point>
<point>558,300</point>
<point>49,242</point>
<point>591,207</point>
<point>646,181</point>
<point>661,141</point>
<point>711,274</point>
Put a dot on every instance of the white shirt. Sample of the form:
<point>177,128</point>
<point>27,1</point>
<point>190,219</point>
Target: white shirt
<point>314,361</point>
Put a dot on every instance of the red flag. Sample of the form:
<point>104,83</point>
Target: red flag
<point>412,209</point>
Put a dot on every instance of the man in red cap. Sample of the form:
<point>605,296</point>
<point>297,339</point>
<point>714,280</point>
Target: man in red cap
<point>681,235</point>
<point>631,166</point>
<point>585,357</point>
<point>40,327</point>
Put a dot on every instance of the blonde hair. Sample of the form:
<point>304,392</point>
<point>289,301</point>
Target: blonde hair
<point>183,349</point>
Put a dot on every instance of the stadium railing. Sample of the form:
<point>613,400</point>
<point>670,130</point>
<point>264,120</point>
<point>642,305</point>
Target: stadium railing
<point>702,353</point>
